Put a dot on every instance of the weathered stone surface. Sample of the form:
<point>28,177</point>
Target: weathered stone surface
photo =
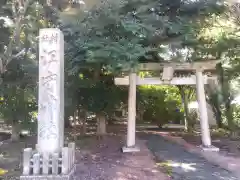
<point>202,108</point>
<point>65,160</point>
<point>209,148</point>
<point>55,158</point>
<point>72,148</point>
<point>36,164</point>
<point>45,163</point>
<point>131,125</point>
<point>167,73</point>
<point>51,91</point>
<point>190,80</point>
<point>27,154</point>
<point>130,149</point>
<point>68,176</point>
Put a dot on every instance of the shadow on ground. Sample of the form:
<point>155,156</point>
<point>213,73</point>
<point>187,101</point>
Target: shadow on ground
<point>181,164</point>
<point>103,160</point>
<point>96,159</point>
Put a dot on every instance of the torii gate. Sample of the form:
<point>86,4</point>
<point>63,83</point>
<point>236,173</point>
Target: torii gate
<point>168,79</point>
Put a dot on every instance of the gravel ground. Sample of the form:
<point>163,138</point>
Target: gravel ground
<point>105,161</point>
<point>184,165</point>
<point>96,160</point>
<point>227,146</point>
<point>4,136</point>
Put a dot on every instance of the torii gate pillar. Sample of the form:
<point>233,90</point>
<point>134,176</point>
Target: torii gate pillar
<point>202,108</point>
<point>131,124</point>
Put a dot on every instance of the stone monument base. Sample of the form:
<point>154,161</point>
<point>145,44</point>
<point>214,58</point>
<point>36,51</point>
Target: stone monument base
<point>130,149</point>
<point>49,166</point>
<point>209,148</point>
<point>69,176</point>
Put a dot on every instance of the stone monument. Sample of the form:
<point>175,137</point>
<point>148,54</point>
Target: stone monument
<point>50,160</point>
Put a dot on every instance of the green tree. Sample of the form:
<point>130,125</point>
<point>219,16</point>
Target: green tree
<point>188,94</point>
<point>220,39</point>
<point>18,63</point>
<point>117,34</point>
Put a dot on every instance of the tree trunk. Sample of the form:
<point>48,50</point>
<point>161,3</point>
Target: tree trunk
<point>101,125</point>
<point>140,113</point>
<point>186,116</point>
<point>75,122</point>
<point>84,125</point>
<point>227,99</point>
<point>82,119</point>
<point>187,125</point>
<point>229,115</point>
<point>15,131</point>
<point>231,125</point>
<point>218,116</point>
<point>214,100</point>
<point>67,114</point>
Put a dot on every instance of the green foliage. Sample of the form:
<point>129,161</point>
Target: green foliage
<point>20,24</point>
<point>193,117</point>
<point>115,35</point>
<point>109,38</point>
<point>236,115</point>
<point>161,104</point>
<point>17,104</point>
<point>102,97</point>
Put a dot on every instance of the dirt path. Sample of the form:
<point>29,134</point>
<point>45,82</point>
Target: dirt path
<point>96,160</point>
<point>105,161</point>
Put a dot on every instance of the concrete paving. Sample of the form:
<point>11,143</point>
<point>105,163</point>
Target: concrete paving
<point>183,164</point>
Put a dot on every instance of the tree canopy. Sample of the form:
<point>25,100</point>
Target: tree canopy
<point>111,36</point>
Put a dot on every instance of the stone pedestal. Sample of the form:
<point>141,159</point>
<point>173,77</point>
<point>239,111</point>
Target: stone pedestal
<point>49,166</point>
<point>130,149</point>
<point>50,160</point>
<point>209,148</point>
<point>131,124</point>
